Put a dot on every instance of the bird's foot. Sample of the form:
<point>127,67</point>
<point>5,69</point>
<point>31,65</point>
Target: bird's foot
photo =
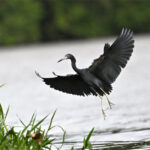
<point>103,110</point>
<point>110,103</point>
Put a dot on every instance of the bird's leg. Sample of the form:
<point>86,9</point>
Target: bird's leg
<point>109,102</point>
<point>103,110</point>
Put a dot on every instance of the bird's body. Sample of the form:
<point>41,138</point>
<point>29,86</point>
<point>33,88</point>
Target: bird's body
<point>97,78</point>
<point>95,84</point>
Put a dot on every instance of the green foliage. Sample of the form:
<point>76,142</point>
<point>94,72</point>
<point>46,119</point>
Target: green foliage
<point>19,21</point>
<point>32,136</point>
<point>2,85</point>
<point>86,142</point>
<point>24,21</point>
<point>85,19</point>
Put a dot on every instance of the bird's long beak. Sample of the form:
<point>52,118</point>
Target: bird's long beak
<point>62,59</point>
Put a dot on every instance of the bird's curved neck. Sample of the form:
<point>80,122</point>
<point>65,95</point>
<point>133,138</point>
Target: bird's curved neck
<point>73,63</point>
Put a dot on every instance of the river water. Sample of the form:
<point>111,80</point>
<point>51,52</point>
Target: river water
<point>127,125</point>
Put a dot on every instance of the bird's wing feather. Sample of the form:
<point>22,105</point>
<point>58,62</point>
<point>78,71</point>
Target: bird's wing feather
<point>108,66</point>
<point>72,84</point>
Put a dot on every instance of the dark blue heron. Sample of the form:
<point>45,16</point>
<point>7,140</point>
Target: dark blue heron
<point>97,78</point>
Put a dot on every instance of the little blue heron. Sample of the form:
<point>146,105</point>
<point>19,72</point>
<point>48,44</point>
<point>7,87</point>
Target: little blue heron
<point>97,78</point>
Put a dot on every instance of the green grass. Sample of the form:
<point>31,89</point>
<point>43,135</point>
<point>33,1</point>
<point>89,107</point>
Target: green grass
<point>31,136</point>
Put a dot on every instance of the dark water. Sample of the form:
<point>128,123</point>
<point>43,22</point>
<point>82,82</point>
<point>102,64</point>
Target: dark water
<point>111,145</point>
<point>127,125</point>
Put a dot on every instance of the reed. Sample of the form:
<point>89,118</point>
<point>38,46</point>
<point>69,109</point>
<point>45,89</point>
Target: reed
<point>32,136</point>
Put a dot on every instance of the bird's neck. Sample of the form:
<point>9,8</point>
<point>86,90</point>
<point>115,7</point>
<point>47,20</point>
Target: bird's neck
<point>73,63</point>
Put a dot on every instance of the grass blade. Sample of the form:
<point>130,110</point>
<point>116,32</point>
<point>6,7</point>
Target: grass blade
<point>86,142</point>
<point>51,121</point>
<point>35,126</point>
<point>2,85</point>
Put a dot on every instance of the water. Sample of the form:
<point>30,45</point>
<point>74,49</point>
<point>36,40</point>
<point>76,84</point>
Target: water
<point>127,125</point>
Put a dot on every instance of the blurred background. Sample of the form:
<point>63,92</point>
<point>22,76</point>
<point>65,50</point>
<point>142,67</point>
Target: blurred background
<point>34,21</point>
<point>35,34</point>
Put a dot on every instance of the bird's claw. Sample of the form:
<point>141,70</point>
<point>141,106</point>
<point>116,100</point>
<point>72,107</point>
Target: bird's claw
<point>110,104</point>
<point>103,110</point>
<point>104,114</point>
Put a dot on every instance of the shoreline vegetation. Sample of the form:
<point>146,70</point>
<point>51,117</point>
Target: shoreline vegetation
<point>33,136</point>
<point>30,21</point>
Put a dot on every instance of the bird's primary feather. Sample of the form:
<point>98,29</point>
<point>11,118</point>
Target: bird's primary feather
<point>72,84</point>
<point>108,66</point>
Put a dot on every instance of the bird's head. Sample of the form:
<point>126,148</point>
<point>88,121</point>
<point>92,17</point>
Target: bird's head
<point>67,56</point>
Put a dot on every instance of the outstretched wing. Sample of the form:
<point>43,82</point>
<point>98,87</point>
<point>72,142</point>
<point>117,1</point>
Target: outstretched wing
<point>108,66</point>
<point>72,84</point>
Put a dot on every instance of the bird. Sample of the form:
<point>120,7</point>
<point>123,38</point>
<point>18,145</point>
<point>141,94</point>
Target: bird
<point>97,79</point>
